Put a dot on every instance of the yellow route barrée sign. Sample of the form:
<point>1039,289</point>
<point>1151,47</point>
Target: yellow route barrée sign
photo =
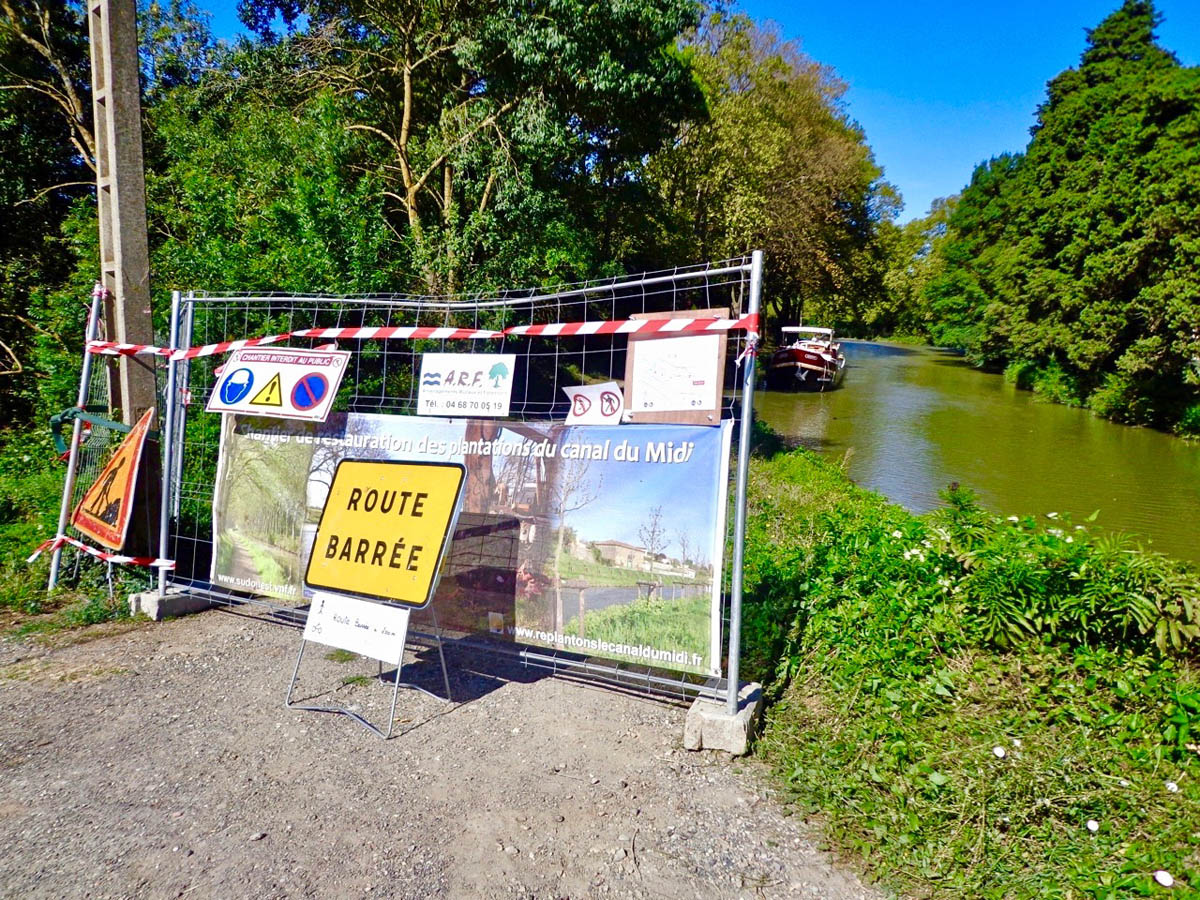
<point>384,529</point>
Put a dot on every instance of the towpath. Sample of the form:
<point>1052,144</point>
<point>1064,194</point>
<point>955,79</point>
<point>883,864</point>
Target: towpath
<point>160,762</point>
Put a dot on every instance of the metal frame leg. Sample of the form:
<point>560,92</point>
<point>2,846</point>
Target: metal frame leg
<point>85,380</point>
<point>361,720</point>
<point>449,698</point>
<point>366,723</point>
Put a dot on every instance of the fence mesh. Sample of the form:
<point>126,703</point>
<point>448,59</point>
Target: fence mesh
<point>382,378</point>
<point>98,439</point>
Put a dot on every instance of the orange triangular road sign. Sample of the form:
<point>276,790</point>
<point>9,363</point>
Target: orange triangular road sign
<point>270,395</point>
<point>103,513</point>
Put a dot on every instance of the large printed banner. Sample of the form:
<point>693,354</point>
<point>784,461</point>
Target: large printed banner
<point>601,540</point>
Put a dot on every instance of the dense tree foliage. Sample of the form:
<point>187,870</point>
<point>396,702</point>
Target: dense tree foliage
<point>499,117</point>
<point>45,166</point>
<point>779,166</point>
<point>1077,264</point>
<point>916,256</point>
<point>358,146</point>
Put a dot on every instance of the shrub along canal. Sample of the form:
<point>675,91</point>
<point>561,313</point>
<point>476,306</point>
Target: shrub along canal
<point>911,420</point>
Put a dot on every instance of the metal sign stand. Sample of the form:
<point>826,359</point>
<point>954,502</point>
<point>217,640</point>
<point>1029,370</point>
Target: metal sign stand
<point>362,720</point>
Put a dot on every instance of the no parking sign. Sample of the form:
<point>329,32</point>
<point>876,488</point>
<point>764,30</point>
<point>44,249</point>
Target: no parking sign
<point>286,384</point>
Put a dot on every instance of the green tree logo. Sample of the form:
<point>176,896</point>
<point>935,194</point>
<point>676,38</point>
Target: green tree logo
<point>499,371</point>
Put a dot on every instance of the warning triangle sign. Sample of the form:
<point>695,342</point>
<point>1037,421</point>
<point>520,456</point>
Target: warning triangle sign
<point>270,395</point>
<point>103,513</point>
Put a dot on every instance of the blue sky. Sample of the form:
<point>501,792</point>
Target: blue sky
<point>941,85</point>
<point>938,85</point>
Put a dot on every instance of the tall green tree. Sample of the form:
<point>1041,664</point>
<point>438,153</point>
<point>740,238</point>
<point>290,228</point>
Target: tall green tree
<point>46,148</point>
<point>245,193</point>
<point>778,166</point>
<point>1079,261</point>
<point>915,258</point>
<point>499,116</point>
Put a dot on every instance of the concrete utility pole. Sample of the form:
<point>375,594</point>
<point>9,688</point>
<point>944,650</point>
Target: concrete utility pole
<point>121,199</point>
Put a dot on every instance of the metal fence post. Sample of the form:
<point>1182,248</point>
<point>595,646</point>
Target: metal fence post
<point>743,473</point>
<point>183,390</point>
<point>167,447</point>
<point>85,379</point>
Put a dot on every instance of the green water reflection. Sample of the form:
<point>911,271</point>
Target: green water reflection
<point>911,420</point>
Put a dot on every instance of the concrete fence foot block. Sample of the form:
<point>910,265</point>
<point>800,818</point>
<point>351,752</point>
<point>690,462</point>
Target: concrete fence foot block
<point>710,727</point>
<point>176,603</point>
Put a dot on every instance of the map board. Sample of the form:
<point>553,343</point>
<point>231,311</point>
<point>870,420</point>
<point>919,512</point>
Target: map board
<point>677,378</point>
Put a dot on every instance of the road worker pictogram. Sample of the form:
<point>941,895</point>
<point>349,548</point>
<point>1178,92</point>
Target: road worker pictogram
<point>104,512</point>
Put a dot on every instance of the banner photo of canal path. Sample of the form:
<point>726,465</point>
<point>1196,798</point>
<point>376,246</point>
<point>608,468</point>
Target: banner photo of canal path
<point>600,540</point>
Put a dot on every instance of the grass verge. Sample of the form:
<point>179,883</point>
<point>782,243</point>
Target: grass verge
<point>977,706</point>
<point>674,624</point>
<point>30,490</point>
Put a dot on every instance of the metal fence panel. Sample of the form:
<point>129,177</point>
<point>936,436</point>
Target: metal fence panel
<point>383,376</point>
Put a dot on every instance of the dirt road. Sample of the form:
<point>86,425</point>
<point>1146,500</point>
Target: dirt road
<point>160,762</point>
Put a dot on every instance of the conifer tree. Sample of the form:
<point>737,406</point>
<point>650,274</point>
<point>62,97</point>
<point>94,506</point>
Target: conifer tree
<point>1078,262</point>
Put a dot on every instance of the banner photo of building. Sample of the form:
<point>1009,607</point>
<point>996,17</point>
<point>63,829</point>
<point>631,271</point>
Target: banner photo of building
<point>600,540</point>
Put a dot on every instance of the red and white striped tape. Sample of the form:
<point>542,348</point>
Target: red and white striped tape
<point>115,348</point>
<point>424,332</point>
<point>634,326</point>
<point>55,543</point>
<point>226,346</point>
<point>409,332</point>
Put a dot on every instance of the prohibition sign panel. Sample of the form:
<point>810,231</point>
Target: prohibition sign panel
<point>309,391</point>
<point>281,382</point>
<point>384,529</point>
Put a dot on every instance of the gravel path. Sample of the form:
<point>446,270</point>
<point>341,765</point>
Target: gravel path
<point>160,762</point>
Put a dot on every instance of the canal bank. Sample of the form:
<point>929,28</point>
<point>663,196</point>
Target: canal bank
<point>975,707</point>
<point>908,421</point>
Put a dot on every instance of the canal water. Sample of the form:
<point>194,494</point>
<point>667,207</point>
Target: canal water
<point>910,420</point>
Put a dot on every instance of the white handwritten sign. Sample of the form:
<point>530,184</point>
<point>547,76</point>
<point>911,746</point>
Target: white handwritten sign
<point>360,626</point>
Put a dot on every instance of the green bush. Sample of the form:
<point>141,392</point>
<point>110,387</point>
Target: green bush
<point>1021,372</point>
<point>1052,382</point>
<point>1189,422</point>
<point>1019,580</point>
<point>958,695</point>
<point>30,491</point>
